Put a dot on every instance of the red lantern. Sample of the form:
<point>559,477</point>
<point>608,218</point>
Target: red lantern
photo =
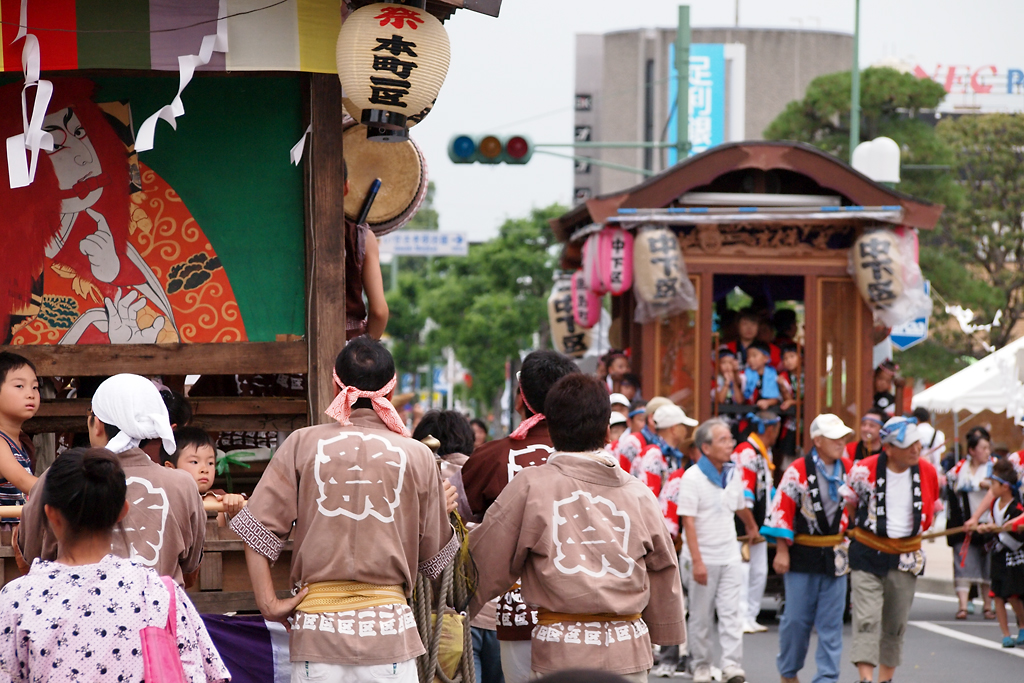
<point>608,261</point>
<point>586,304</point>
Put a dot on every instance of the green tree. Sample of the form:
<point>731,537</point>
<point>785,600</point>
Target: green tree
<point>487,306</point>
<point>890,103</point>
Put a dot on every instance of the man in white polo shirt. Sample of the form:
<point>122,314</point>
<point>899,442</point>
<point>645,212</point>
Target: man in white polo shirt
<point>710,493</point>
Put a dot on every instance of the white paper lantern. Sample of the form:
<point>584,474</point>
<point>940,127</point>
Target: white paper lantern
<point>878,268</point>
<point>566,335</point>
<point>392,61</point>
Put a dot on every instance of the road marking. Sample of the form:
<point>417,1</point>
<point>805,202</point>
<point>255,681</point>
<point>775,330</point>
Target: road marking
<point>936,596</point>
<point>966,638</point>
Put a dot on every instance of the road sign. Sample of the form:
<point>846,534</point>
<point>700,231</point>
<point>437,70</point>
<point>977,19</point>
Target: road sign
<point>910,333</point>
<point>424,243</point>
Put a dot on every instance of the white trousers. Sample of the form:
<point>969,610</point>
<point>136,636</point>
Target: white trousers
<point>755,578</point>
<point>516,660</point>
<point>400,672</point>
<point>721,594</point>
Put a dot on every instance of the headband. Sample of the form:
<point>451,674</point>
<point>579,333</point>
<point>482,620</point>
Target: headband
<point>1015,487</point>
<point>341,408</point>
<point>637,411</point>
<point>526,425</point>
<point>871,418</point>
<point>762,424</point>
<point>896,431</point>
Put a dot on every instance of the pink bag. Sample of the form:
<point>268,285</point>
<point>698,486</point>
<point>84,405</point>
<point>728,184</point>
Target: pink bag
<point>161,660</point>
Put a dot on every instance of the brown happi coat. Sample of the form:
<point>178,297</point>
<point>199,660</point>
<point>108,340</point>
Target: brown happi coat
<point>165,527</point>
<point>587,539</point>
<point>484,476</point>
<point>362,504</point>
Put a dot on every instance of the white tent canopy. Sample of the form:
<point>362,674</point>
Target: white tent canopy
<point>993,383</point>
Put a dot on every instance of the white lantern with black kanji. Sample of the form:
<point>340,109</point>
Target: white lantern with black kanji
<point>392,61</point>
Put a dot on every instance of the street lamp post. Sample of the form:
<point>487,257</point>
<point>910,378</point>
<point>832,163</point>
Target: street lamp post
<point>855,82</point>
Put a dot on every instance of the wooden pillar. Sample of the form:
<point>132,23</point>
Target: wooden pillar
<point>325,237</point>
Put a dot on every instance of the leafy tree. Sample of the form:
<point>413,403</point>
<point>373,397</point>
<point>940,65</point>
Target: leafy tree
<point>486,306</point>
<point>890,102</point>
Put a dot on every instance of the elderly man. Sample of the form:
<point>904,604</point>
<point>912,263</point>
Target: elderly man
<point>894,494</point>
<point>807,513</point>
<point>365,507</point>
<point>166,525</point>
<point>710,494</point>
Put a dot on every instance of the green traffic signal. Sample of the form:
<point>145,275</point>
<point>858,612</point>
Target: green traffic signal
<point>490,149</point>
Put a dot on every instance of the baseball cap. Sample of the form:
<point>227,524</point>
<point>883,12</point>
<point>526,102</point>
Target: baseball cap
<point>657,402</point>
<point>900,432</point>
<point>829,426</point>
<point>617,419</point>
<point>619,400</point>
<point>671,415</point>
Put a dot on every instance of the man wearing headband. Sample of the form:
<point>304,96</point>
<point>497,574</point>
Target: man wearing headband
<point>166,525</point>
<point>365,507</point>
<point>894,494</point>
<point>631,445</point>
<point>870,440</point>
<point>807,520</point>
<point>753,459</point>
<point>489,470</point>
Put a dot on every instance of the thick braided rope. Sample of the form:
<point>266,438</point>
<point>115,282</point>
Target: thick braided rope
<point>341,407</point>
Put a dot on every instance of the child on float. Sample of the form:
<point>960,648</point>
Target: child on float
<point>728,389</point>
<point>1007,568</point>
<point>791,386</point>
<point>197,455</point>
<point>19,401</point>
<point>748,328</point>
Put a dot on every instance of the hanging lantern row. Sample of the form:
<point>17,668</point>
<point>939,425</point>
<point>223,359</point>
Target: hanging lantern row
<point>392,61</point>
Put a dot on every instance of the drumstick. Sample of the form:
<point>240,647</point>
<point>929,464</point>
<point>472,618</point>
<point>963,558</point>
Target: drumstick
<point>370,196</point>
<point>213,505</point>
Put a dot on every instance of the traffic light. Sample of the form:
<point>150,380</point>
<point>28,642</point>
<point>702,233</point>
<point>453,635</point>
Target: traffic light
<point>490,149</point>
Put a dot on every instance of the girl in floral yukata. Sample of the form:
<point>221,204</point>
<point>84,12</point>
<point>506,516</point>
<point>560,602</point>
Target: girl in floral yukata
<point>79,618</point>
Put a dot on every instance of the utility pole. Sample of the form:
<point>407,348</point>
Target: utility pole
<point>683,87</point>
<point>855,82</point>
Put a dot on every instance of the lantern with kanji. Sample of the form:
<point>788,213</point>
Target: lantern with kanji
<point>566,335</point>
<point>614,256</point>
<point>660,282</point>
<point>878,268</point>
<point>392,61</point>
<point>586,304</point>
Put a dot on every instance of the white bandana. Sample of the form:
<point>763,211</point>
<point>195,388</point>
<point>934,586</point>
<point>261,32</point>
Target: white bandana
<point>132,404</point>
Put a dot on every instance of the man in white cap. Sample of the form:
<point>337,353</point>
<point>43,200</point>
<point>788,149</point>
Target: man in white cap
<point>710,493</point>
<point>616,428</point>
<point>807,520</point>
<point>620,404</point>
<point>166,525</point>
<point>661,457</point>
<point>895,494</point>
<point>630,445</point>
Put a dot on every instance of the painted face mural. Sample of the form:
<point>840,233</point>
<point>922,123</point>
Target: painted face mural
<point>591,536</point>
<point>99,249</point>
<point>146,521</point>
<point>359,476</point>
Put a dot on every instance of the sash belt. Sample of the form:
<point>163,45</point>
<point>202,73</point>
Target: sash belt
<point>891,546</point>
<point>814,541</point>
<point>546,618</point>
<point>343,596</point>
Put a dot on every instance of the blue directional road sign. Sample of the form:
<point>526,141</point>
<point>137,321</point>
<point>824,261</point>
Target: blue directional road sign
<point>424,243</point>
<point>913,332</point>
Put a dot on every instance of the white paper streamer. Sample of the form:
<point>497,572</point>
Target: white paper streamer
<point>187,65</point>
<point>296,154</point>
<point>21,171</point>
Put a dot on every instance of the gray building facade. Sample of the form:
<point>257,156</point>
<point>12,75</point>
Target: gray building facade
<point>622,90</point>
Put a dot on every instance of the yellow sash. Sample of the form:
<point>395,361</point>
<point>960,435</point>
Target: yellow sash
<point>342,596</point>
<point>818,541</point>
<point>891,546</point>
<point>546,618</point>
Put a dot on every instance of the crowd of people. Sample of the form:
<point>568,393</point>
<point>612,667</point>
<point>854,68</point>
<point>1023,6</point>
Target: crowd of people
<point>590,522</point>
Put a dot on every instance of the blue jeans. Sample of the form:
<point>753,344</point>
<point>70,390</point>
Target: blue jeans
<point>812,600</point>
<point>487,656</point>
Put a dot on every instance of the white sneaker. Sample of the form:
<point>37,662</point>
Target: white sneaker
<point>664,670</point>
<point>716,674</point>
<point>733,674</point>
<point>702,674</point>
<point>756,627</point>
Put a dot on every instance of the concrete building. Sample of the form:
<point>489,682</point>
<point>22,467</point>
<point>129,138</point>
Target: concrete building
<point>622,91</point>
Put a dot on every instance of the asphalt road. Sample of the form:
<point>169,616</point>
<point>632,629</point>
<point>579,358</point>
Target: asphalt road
<point>937,648</point>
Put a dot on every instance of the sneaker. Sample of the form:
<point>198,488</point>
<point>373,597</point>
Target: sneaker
<point>1020,637</point>
<point>748,627</point>
<point>664,670</point>
<point>733,674</point>
<point>1009,641</point>
<point>970,606</point>
<point>716,674</point>
<point>755,627</point>
<point>702,674</point>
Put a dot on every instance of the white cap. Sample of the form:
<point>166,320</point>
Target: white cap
<point>829,426</point>
<point>655,403</point>
<point>619,399</point>
<point>617,419</point>
<point>669,416</point>
<point>900,432</point>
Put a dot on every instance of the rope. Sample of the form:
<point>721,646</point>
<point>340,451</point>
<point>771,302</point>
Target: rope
<point>456,587</point>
